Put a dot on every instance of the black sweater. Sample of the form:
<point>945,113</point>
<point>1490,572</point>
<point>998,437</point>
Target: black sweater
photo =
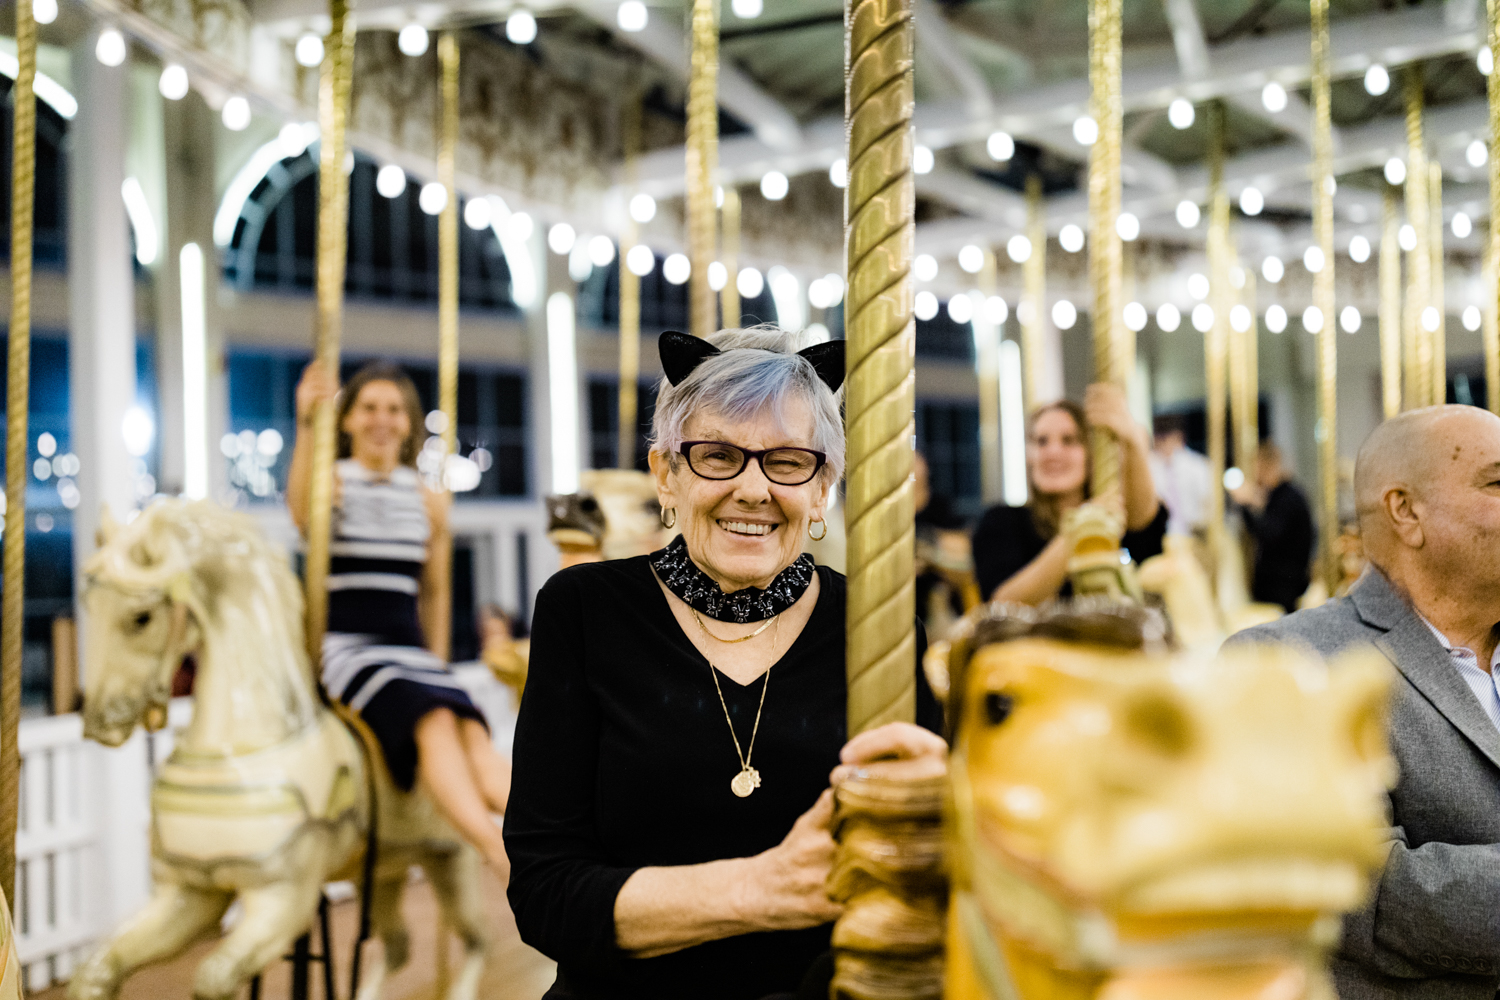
<point>1006,540</point>
<point>623,760</point>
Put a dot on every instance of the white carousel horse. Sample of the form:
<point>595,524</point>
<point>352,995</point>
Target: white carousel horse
<point>266,795</point>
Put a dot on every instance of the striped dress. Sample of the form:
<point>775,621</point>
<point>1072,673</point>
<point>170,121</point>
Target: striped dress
<point>375,659</point>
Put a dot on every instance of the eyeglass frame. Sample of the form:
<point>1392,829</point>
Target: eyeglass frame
<point>758,456</point>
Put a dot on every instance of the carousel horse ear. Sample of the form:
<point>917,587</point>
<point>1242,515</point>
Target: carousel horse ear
<point>108,526</point>
<point>681,353</point>
<point>828,361</point>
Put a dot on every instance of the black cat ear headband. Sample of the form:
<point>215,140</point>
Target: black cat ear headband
<point>681,353</point>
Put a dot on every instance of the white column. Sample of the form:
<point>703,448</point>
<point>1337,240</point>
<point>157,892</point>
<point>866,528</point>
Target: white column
<point>101,291</point>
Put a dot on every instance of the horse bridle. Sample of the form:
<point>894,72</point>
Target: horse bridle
<point>159,686</point>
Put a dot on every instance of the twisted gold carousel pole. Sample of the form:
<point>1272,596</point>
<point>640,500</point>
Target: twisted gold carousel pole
<point>987,337</point>
<point>1110,361</point>
<point>1490,317</point>
<point>1419,260</point>
<point>1491,311</point>
<point>1217,338</point>
<point>18,385</point>
<point>1244,392</point>
<point>1034,288</point>
<point>729,298</point>
<point>1322,181</point>
<point>1438,335</point>
<point>1390,307</point>
<point>630,298</point>
<point>442,555</point>
<point>880,215</point>
<point>702,164</point>
<point>334,82</point>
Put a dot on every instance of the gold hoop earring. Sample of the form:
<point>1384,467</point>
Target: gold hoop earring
<point>664,522</point>
<point>817,538</point>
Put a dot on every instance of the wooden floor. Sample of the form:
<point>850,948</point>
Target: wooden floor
<point>513,972</point>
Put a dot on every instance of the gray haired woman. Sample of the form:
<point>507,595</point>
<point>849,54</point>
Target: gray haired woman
<point>685,713</point>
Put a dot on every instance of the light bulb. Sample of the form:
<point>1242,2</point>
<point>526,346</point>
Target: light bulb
<point>1395,170</point>
<point>995,310</point>
<point>1203,317</point>
<point>1070,238</point>
<point>1484,60</point>
<point>922,160</point>
<point>1085,131</point>
<point>718,276</point>
<point>925,305</point>
<point>1349,319</point>
<point>1168,317</point>
<point>44,11</point>
<point>520,27</point>
<point>1134,315</point>
<point>677,269</point>
<point>632,16</point>
<point>747,10</point>
<point>1128,226</point>
<point>925,267</point>
<point>235,114</point>
<point>1188,214</point>
<point>1431,319</point>
<point>1461,225</point>
<point>1000,146</point>
<point>961,309</point>
<point>601,251</point>
<point>774,185</point>
<point>412,40</point>
<point>640,260</point>
<point>390,181</point>
<point>1472,318</point>
<point>643,208</point>
<point>971,258</point>
<point>173,83</point>
<point>1064,314</point>
<point>309,50</point>
<point>1377,80</point>
<point>838,173</point>
<point>1312,258</point>
<point>1239,318</point>
<point>1406,236</point>
<point>1197,284</point>
<point>1359,249</point>
<point>1273,97</point>
<point>1276,319</point>
<point>1181,113</point>
<point>1312,319</point>
<point>560,237</point>
<point>433,198</point>
<point>1018,248</point>
<point>750,283</point>
<point>1252,201</point>
<point>477,213</point>
<point>110,49</point>
<point>1478,154</point>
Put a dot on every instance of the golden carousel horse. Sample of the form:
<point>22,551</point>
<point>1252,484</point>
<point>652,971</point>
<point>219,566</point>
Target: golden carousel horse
<point>1127,823</point>
<point>266,795</point>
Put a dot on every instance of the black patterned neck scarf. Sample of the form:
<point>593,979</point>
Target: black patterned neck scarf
<point>698,590</point>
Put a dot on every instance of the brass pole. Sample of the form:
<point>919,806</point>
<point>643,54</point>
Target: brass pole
<point>1252,370</point>
<point>880,216</point>
<point>987,365</point>
<point>1327,426</point>
<point>18,386</point>
<point>1491,330</point>
<point>1419,261</point>
<point>1242,374</point>
<point>630,298</point>
<point>1390,307</point>
<point>1492,289</point>
<point>334,81</point>
<point>442,555</point>
<point>1110,362</point>
<point>702,164</point>
<point>1438,365</point>
<point>1034,290</point>
<point>729,298</point>
<point>1216,339</point>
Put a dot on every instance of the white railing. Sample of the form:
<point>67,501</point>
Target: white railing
<point>83,844</point>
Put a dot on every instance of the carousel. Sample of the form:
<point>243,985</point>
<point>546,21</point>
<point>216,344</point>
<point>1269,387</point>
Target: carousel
<point>1228,209</point>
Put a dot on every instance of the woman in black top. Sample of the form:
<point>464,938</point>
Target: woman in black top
<point>1019,553</point>
<point>685,711</point>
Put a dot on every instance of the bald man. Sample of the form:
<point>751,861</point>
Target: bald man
<point>1427,491</point>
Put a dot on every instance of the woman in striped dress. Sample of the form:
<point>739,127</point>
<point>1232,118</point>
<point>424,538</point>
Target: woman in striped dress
<point>384,656</point>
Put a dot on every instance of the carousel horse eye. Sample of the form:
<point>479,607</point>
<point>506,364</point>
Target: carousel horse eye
<point>997,707</point>
<point>143,619</point>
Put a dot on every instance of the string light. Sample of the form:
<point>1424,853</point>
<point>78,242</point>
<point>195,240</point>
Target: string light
<point>1000,146</point>
<point>412,40</point>
<point>1168,317</point>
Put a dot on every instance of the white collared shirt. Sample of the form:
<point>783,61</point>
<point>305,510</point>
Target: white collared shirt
<point>1486,686</point>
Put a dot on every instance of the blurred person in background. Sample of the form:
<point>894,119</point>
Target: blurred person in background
<point>1020,553</point>
<point>1183,477</point>
<point>1279,520</point>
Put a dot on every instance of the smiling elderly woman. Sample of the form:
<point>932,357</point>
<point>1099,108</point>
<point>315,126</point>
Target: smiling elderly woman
<point>685,711</point>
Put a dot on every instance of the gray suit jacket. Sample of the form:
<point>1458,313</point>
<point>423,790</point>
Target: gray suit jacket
<point>1431,930</point>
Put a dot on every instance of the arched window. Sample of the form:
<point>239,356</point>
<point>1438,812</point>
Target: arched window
<point>392,243</point>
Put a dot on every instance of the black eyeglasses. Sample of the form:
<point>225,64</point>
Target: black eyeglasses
<point>722,460</point>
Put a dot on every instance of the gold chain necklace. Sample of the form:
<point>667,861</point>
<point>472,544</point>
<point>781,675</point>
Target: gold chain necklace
<point>748,780</point>
<point>743,638</point>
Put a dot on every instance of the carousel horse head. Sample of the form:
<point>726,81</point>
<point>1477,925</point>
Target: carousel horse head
<point>1133,823</point>
<point>157,587</point>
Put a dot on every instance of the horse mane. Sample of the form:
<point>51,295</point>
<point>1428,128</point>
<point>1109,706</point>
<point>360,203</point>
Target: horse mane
<point>222,556</point>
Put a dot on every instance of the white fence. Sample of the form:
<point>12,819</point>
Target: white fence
<point>83,845</point>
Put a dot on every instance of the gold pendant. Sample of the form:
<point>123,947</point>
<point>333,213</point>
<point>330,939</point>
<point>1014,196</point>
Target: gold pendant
<point>745,782</point>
